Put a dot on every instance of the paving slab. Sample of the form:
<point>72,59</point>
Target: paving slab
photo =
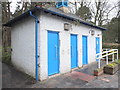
<point>104,81</point>
<point>88,69</point>
<point>81,78</point>
<point>80,75</point>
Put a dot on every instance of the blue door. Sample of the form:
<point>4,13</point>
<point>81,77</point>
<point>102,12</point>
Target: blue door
<point>84,50</point>
<point>97,45</point>
<point>74,53</point>
<point>53,52</point>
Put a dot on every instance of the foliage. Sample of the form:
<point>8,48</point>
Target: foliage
<point>117,61</point>
<point>112,64</point>
<point>98,69</point>
<point>111,35</point>
<point>109,46</point>
<point>112,47</point>
<point>84,13</point>
<point>42,4</point>
<point>6,55</point>
<point>29,5</point>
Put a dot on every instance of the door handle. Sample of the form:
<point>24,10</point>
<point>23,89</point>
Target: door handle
<point>56,52</point>
<point>71,51</point>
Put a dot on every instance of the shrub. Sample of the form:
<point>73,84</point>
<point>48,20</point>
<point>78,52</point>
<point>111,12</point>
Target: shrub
<point>6,55</point>
<point>98,69</point>
<point>112,64</point>
<point>117,61</point>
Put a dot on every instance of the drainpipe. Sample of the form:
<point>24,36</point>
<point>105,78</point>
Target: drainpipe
<point>36,44</point>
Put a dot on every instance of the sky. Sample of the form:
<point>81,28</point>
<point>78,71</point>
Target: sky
<point>111,2</point>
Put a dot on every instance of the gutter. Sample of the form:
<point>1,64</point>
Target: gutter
<point>36,44</point>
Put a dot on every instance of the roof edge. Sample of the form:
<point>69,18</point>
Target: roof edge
<point>9,23</point>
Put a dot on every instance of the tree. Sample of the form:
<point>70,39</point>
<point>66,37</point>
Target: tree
<point>111,36</point>
<point>84,13</point>
<point>100,11</point>
<point>6,33</point>
<point>19,10</point>
<point>42,4</point>
<point>6,14</point>
<point>6,11</point>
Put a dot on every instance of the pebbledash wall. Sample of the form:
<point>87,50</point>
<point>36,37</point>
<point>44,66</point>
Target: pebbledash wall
<point>54,23</point>
<point>23,44</point>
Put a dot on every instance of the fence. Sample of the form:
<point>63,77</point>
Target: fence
<point>105,54</point>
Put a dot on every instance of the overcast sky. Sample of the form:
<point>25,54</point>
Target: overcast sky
<point>111,2</point>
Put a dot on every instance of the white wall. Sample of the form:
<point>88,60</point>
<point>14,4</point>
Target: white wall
<point>54,23</point>
<point>23,46</point>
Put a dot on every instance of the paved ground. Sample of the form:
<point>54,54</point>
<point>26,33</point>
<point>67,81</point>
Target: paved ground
<point>12,78</point>
<point>88,69</point>
<point>81,78</point>
<point>104,81</point>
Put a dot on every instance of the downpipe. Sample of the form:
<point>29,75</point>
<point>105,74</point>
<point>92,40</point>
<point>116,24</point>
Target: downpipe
<point>36,44</point>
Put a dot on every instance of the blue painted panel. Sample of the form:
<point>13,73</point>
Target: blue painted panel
<point>53,52</point>
<point>61,3</point>
<point>74,52</point>
<point>84,50</point>
<point>97,45</point>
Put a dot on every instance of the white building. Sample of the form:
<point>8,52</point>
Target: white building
<point>56,44</point>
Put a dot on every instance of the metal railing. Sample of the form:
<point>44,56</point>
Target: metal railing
<point>105,54</point>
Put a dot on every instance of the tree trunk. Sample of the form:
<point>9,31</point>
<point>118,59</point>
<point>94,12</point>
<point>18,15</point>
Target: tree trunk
<point>6,33</point>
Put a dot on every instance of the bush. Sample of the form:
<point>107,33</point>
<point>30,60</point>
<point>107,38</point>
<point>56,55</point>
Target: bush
<point>6,55</point>
<point>117,61</point>
<point>98,69</point>
<point>112,46</point>
<point>112,64</point>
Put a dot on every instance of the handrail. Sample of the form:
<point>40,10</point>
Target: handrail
<point>108,52</point>
<point>106,55</point>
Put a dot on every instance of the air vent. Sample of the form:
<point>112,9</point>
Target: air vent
<point>67,26</point>
<point>92,32</point>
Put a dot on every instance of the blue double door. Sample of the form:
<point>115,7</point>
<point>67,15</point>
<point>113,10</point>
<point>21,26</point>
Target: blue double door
<point>74,51</point>
<point>84,50</point>
<point>53,52</point>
